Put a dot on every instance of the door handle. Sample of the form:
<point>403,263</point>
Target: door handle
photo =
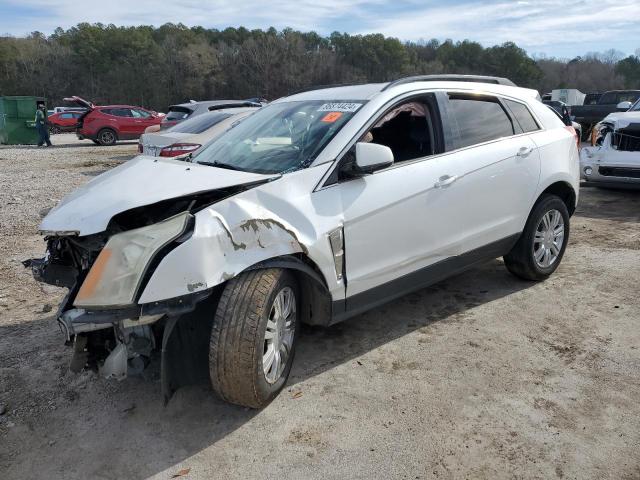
<point>445,181</point>
<point>524,151</point>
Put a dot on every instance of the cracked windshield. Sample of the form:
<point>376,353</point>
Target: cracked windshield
<point>279,138</point>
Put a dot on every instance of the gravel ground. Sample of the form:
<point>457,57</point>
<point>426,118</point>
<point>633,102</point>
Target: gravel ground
<point>481,376</point>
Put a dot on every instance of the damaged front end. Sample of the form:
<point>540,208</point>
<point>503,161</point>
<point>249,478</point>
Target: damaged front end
<point>105,273</point>
<point>614,157</point>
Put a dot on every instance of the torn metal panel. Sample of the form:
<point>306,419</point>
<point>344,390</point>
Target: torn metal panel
<point>253,226</point>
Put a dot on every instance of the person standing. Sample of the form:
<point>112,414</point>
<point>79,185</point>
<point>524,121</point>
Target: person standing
<point>41,125</point>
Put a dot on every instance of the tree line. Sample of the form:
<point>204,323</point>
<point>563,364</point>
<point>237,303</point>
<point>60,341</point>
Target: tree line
<point>157,67</point>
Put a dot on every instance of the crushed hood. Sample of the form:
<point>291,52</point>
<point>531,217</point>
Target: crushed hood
<point>136,183</point>
<point>622,119</point>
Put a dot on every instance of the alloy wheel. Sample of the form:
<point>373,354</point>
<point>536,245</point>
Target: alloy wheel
<point>107,137</point>
<point>279,334</point>
<point>548,239</point>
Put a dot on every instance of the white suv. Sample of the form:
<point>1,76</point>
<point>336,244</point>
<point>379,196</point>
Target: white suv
<point>315,208</point>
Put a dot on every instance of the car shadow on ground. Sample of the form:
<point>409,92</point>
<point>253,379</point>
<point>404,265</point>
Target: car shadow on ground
<point>152,438</point>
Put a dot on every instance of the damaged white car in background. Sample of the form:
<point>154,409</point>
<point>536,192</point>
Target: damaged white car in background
<point>313,209</point>
<point>614,157</point>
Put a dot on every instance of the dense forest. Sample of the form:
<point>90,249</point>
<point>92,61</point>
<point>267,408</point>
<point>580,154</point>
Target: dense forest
<point>155,67</point>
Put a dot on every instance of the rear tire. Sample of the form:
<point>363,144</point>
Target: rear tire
<point>107,137</point>
<point>540,248</point>
<point>248,334</point>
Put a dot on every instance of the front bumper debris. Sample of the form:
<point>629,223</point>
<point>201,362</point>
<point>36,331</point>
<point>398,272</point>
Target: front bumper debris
<point>78,320</point>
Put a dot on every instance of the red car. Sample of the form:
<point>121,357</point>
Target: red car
<point>64,121</point>
<point>106,124</point>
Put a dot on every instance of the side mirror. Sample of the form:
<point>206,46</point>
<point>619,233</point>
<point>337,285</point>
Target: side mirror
<point>624,106</point>
<point>371,157</point>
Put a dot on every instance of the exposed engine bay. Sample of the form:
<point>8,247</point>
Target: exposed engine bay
<point>614,157</point>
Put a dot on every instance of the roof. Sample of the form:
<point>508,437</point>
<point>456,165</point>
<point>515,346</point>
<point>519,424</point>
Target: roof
<point>370,90</point>
<point>119,106</point>
<point>210,103</point>
<point>232,111</point>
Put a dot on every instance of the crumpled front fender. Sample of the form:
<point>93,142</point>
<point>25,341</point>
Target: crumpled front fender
<point>220,248</point>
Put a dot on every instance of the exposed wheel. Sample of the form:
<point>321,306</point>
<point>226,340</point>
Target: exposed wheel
<point>106,136</point>
<point>541,246</point>
<point>53,130</point>
<point>253,337</point>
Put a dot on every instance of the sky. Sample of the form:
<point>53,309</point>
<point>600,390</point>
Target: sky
<point>556,28</point>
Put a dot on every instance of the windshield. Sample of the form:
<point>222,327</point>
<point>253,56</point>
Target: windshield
<point>279,138</point>
<point>200,123</point>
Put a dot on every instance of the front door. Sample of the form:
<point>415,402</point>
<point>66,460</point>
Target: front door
<point>402,219</point>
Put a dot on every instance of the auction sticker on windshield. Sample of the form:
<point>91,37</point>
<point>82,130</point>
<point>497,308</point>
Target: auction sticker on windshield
<point>331,117</point>
<point>339,107</point>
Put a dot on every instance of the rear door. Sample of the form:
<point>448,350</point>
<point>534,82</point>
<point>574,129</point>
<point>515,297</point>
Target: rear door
<point>81,102</point>
<point>126,125</point>
<point>496,167</point>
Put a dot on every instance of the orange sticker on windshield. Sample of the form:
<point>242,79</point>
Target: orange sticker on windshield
<point>331,117</point>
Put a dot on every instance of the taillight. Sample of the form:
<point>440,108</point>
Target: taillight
<point>574,133</point>
<point>179,149</point>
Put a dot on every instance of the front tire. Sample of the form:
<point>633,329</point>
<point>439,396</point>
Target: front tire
<point>253,337</point>
<point>540,248</point>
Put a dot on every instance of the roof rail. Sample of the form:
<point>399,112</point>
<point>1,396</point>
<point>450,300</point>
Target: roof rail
<point>450,78</point>
<point>234,105</point>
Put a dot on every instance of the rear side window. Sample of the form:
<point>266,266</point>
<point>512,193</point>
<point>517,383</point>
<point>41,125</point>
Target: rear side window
<point>474,120</point>
<point>200,123</point>
<point>140,113</point>
<point>608,98</point>
<point>117,112</point>
<point>523,116</point>
<point>178,113</point>
<point>627,97</point>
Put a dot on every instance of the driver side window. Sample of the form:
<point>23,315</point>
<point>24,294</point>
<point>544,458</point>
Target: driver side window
<point>407,129</point>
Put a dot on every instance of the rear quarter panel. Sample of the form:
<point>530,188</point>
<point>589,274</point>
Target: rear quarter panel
<point>559,159</point>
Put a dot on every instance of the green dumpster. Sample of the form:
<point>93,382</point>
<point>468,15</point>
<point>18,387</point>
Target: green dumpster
<point>17,114</point>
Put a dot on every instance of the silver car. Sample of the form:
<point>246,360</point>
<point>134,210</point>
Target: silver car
<point>190,135</point>
<point>183,111</point>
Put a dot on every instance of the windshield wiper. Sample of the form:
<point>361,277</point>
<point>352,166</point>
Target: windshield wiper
<point>221,165</point>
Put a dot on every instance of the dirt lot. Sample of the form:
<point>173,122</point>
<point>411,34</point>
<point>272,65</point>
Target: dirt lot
<point>481,376</point>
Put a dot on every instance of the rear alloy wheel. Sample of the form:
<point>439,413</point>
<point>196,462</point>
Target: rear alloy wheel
<point>541,246</point>
<point>548,239</point>
<point>53,130</point>
<point>253,337</point>
<point>107,137</point>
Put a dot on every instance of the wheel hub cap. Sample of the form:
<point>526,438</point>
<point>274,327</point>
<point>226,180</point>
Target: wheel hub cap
<point>278,336</point>
<point>548,239</point>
